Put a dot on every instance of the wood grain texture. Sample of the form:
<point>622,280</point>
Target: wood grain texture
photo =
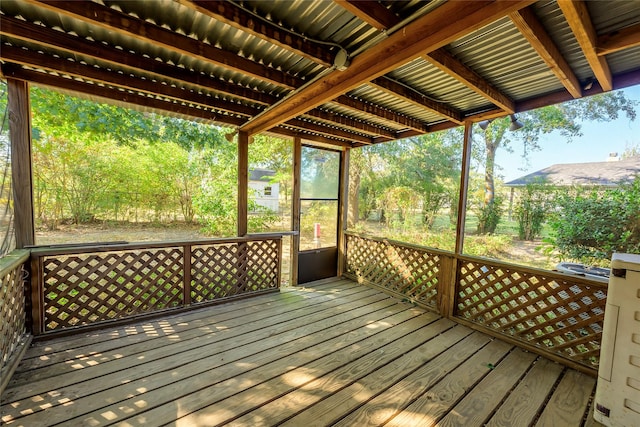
<point>526,400</point>
<point>333,353</point>
<point>569,401</point>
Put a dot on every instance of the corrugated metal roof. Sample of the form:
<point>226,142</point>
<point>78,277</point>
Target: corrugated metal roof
<point>497,52</point>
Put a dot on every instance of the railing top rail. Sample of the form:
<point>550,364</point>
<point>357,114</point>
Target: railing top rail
<point>127,246</point>
<point>399,243</point>
<point>536,271</point>
<point>12,260</point>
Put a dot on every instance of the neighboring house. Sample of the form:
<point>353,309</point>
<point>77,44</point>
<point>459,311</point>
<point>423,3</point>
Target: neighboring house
<point>595,174</point>
<point>608,174</point>
<point>266,193</point>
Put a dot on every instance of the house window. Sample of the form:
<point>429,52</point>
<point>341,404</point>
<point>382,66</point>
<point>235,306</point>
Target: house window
<point>267,191</point>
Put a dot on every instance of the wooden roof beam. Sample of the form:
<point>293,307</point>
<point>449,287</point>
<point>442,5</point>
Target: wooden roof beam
<point>115,94</point>
<point>577,16</point>
<point>343,121</point>
<point>128,97</point>
<point>434,30</point>
<point>85,72</point>
<point>113,20</point>
<point>371,12</point>
<point>447,63</point>
<point>59,40</point>
<point>101,75</point>
<point>416,98</point>
<point>537,36</point>
<point>618,40</point>
<point>328,130</point>
<point>387,115</point>
<point>234,16</point>
<point>49,38</point>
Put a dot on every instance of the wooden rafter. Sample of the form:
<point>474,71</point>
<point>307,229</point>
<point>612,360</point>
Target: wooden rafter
<point>416,98</point>
<point>239,18</point>
<point>533,30</point>
<point>447,63</point>
<point>16,28</point>
<point>343,121</point>
<point>328,131</point>
<point>129,97</point>
<point>104,76</point>
<point>371,12</point>
<point>577,17</point>
<point>426,34</point>
<point>118,22</point>
<point>386,115</point>
<point>618,40</point>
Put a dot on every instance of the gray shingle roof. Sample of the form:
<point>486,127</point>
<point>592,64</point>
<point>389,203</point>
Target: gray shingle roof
<point>603,174</point>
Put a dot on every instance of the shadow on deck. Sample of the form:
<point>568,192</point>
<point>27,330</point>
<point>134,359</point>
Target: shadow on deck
<point>336,353</point>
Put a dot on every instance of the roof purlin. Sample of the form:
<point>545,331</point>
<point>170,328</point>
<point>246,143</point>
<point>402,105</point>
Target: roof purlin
<point>116,21</point>
<point>422,36</point>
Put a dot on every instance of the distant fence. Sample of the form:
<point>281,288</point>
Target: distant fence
<point>554,314</point>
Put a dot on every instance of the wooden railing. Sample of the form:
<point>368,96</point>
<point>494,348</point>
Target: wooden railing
<point>13,334</point>
<point>557,315</point>
<point>407,271</point>
<point>86,285</point>
<point>553,313</point>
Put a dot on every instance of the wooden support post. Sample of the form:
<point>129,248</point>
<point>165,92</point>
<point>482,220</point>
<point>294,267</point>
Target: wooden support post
<point>464,187</point>
<point>295,209</point>
<point>343,208</point>
<point>21,174</point>
<point>448,278</point>
<point>447,285</point>
<point>243,183</point>
<point>37,296</point>
<point>186,265</point>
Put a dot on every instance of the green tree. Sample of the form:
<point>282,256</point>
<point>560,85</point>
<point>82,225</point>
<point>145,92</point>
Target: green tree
<point>100,158</point>
<point>564,118</point>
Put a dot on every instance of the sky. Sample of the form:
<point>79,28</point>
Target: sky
<point>597,141</point>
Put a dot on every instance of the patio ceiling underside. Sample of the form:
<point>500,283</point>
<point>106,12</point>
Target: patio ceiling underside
<point>344,72</point>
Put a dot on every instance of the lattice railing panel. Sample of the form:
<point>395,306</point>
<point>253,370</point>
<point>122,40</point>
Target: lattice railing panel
<point>404,269</point>
<point>554,314</point>
<point>224,270</point>
<point>12,311</point>
<point>87,288</point>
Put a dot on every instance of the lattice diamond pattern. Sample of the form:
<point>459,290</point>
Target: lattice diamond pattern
<point>12,314</point>
<point>87,288</point>
<point>560,316</point>
<point>408,270</point>
<point>224,270</point>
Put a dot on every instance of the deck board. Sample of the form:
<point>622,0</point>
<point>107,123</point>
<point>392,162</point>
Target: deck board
<point>331,354</point>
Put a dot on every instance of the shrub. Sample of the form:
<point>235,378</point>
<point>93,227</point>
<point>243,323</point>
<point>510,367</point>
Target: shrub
<point>591,225</point>
<point>489,216</point>
<point>531,211</point>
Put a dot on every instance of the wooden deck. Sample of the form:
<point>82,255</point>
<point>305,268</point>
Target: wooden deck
<point>332,354</point>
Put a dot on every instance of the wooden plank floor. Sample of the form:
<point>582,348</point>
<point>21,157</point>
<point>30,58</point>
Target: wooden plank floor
<point>332,354</point>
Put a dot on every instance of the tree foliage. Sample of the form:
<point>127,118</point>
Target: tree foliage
<point>590,225</point>
<point>563,118</point>
<point>95,160</point>
<point>424,170</point>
